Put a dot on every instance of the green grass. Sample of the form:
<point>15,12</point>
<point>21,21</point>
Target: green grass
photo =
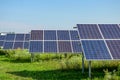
<point>16,66</point>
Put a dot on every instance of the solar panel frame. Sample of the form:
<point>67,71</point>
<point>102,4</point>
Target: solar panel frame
<point>19,37</point>
<point>63,35</point>
<point>50,35</point>
<point>27,37</point>
<point>37,34</point>
<point>110,31</point>
<point>8,45</point>
<point>74,35</point>
<point>2,37</point>
<point>18,45</point>
<point>10,37</point>
<point>76,46</point>
<point>64,46</point>
<point>89,31</point>
<point>1,43</point>
<point>26,45</point>
<point>36,47</point>
<point>114,47</point>
<point>50,46</point>
<point>102,45</point>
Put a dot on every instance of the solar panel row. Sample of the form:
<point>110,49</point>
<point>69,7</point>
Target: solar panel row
<point>55,46</point>
<point>16,45</point>
<point>17,37</point>
<point>100,41</point>
<point>54,35</point>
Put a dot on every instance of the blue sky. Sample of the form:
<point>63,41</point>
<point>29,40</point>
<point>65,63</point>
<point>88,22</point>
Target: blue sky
<point>24,15</point>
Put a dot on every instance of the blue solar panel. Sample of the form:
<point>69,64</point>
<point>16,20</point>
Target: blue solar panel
<point>37,35</point>
<point>1,43</point>
<point>49,35</point>
<point>50,46</point>
<point>18,45</point>
<point>89,31</point>
<point>64,46</point>
<point>63,35</point>
<point>114,47</point>
<point>26,45</point>
<point>36,46</point>
<point>74,35</point>
<point>8,45</point>
<point>76,46</point>
<point>19,37</point>
<point>110,31</point>
<point>10,37</point>
<point>2,37</point>
<point>95,49</point>
<point>27,37</point>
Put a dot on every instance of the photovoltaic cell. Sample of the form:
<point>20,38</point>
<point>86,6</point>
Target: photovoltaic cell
<point>36,46</point>
<point>37,35</point>
<point>74,35</point>
<point>64,46</point>
<point>18,45</point>
<point>95,50</point>
<point>89,31</point>
<point>76,45</point>
<point>8,45</point>
<point>2,37</point>
<point>19,37</point>
<point>49,35</point>
<point>110,31</point>
<point>50,46</point>
<point>114,47</point>
<point>63,35</point>
<point>10,37</point>
<point>27,37</point>
<point>26,45</point>
<point>1,43</point>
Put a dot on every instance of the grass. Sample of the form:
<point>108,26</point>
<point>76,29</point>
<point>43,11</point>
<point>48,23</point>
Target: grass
<point>64,68</point>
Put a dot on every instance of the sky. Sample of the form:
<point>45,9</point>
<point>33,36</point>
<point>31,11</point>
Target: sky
<point>24,15</point>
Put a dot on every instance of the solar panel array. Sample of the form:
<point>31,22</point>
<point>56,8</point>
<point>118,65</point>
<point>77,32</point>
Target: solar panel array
<point>2,38</point>
<point>55,41</point>
<point>100,41</point>
<point>15,41</point>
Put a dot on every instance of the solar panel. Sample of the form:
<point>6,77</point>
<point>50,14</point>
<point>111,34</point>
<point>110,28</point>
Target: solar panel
<point>89,31</point>
<point>27,37</point>
<point>95,49</point>
<point>50,46</point>
<point>18,45</point>
<point>19,37</point>
<point>37,35</point>
<point>64,46</point>
<point>26,45</point>
<point>8,45</point>
<point>49,35</point>
<point>76,45</point>
<point>36,46</point>
<point>110,31</point>
<point>114,47</point>
<point>63,35</point>
<point>2,37</point>
<point>74,35</point>
<point>1,43</point>
<point>10,37</point>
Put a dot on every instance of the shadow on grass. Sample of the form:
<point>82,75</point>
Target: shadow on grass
<point>16,61</point>
<point>57,74</point>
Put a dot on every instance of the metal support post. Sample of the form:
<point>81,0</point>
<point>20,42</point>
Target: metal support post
<point>32,57</point>
<point>82,63</point>
<point>89,69</point>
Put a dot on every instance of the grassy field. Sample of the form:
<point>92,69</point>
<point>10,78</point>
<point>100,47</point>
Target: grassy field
<point>55,69</point>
